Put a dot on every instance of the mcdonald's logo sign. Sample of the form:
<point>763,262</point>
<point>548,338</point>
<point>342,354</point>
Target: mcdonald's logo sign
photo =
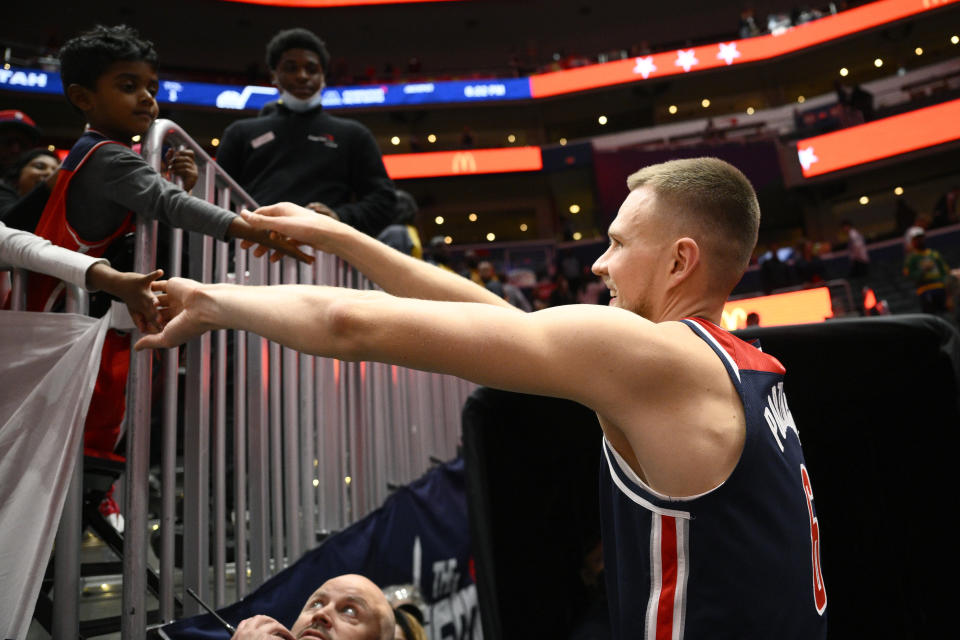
<point>464,162</point>
<point>454,163</point>
<point>796,307</point>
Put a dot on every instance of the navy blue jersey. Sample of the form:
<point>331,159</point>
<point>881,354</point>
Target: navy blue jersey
<point>739,561</point>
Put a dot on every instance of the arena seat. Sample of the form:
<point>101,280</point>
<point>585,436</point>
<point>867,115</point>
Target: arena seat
<point>876,401</point>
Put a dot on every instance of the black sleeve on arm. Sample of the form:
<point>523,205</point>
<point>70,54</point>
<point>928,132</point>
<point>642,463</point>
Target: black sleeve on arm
<point>376,201</point>
<point>230,151</point>
<point>131,182</point>
<point>24,213</point>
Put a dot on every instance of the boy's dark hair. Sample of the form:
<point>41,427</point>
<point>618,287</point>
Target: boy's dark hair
<point>296,39</point>
<point>85,58</point>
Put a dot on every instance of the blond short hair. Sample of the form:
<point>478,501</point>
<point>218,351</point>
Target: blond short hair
<point>710,196</point>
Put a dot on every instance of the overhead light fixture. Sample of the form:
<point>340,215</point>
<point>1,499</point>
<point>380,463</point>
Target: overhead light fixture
<point>215,142</point>
<point>50,147</point>
<point>750,111</point>
<point>801,99</point>
<point>511,138</point>
<point>672,109</point>
<point>438,219</point>
<point>563,141</point>
<point>878,63</point>
<point>136,138</point>
<point>395,140</point>
<point>574,209</point>
<point>523,227</point>
<point>447,239</point>
<point>491,237</point>
<point>844,72</point>
<point>918,51</point>
<point>898,191</point>
<point>577,235</point>
<point>864,199</point>
<point>602,120</point>
<point>954,39</point>
<point>431,138</point>
<point>705,103</point>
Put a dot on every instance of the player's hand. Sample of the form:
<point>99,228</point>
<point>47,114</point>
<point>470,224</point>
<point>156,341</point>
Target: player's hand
<point>261,628</point>
<point>299,224</point>
<point>263,240</point>
<point>181,163</point>
<point>181,302</point>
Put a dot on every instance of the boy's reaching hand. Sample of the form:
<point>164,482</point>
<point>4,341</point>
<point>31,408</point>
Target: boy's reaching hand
<point>134,290</point>
<point>266,240</point>
<point>180,163</point>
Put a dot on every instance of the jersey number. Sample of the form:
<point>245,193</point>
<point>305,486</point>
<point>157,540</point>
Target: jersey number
<point>819,592</point>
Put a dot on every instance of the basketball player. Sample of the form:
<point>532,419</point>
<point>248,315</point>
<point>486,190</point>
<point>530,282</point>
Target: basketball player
<point>709,525</point>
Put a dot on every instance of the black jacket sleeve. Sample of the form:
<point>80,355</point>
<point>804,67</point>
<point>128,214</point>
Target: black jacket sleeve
<point>230,151</point>
<point>375,203</point>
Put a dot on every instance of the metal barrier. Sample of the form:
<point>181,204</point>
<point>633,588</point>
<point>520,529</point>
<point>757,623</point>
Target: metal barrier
<point>315,441</point>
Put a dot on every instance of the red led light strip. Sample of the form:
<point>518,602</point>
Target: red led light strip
<point>316,4</point>
<point>451,163</point>
<point>721,54</point>
<point>891,136</point>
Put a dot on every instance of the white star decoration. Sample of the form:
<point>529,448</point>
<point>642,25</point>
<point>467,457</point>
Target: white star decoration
<point>728,52</point>
<point>686,59</point>
<point>645,66</point>
<point>807,157</point>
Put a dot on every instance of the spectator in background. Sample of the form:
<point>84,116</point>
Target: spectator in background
<point>488,277</point>
<point>945,211</point>
<point>18,133</point>
<point>513,294</point>
<point>859,257</point>
<point>402,235</point>
<point>929,272</point>
<point>753,319</point>
<point>807,264</point>
<point>30,180</point>
<point>774,274</point>
<point>438,255</point>
<point>299,153</point>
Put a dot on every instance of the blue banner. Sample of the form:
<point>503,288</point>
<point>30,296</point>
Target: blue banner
<point>419,536</point>
<point>253,97</point>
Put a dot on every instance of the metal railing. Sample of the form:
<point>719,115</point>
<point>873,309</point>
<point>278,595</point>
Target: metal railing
<point>302,445</point>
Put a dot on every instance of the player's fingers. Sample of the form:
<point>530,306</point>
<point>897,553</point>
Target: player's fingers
<point>159,286</point>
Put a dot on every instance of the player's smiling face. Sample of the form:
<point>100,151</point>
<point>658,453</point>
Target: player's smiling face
<point>124,103</point>
<point>636,262</point>
<point>299,72</point>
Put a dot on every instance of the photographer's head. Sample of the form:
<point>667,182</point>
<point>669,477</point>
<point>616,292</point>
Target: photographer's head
<point>348,607</point>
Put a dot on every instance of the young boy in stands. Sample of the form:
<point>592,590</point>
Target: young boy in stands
<point>110,75</point>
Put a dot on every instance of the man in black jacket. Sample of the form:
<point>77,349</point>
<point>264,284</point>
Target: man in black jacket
<point>297,152</point>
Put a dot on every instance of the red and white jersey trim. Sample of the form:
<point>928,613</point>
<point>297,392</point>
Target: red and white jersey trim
<point>669,568</point>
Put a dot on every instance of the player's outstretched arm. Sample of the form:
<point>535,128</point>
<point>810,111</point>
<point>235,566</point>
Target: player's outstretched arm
<point>582,352</point>
<point>397,273</point>
<point>650,382</point>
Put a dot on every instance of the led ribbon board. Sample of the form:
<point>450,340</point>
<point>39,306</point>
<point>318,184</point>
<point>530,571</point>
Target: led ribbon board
<point>450,163</point>
<point>315,4</point>
<point>203,94</point>
<point>796,307</point>
<point>884,138</point>
<point>721,54</point>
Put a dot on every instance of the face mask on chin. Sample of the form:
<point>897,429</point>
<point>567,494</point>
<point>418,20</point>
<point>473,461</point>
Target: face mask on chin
<point>300,105</point>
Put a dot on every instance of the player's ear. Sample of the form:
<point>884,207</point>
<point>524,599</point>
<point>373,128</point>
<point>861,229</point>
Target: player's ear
<point>686,258</point>
<point>80,97</point>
